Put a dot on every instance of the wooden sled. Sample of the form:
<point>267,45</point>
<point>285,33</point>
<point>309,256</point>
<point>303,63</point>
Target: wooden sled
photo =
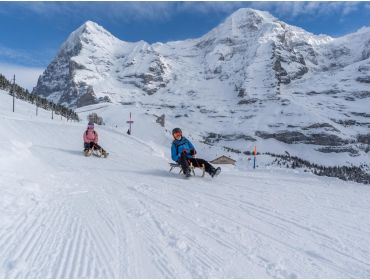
<point>95,152</point>
<point>176,165</point>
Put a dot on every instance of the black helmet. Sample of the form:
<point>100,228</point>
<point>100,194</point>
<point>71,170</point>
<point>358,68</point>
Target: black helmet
<point>176,130</point>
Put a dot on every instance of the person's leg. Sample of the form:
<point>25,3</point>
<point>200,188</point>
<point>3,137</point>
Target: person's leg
<point>183,161</point>
<point>198,162</point>
<point>87,149</point>
<point>96,146</point>
<point>86,146</point>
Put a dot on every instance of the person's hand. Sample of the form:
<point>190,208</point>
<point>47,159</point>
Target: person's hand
<point>193,153</point>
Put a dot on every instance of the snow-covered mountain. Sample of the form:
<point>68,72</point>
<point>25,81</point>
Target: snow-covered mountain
<point>63,215</point>
<point>252,79</point>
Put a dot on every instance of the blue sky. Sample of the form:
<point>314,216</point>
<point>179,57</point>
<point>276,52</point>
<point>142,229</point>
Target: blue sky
<point>32,32</point>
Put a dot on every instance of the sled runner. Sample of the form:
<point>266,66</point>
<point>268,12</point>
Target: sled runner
<point>96,152</point>
<point>176,165</point>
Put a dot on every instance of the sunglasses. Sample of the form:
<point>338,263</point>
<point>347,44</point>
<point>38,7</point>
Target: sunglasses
<point>90,126</point>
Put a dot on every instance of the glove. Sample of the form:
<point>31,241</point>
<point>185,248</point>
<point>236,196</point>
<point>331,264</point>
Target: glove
<point>184,151</point>
<point>193,152</point>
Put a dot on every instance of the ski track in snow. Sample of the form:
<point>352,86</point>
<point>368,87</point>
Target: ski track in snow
<point>67,216</point>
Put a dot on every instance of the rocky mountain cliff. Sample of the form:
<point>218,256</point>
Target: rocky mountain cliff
<point>252,78</point>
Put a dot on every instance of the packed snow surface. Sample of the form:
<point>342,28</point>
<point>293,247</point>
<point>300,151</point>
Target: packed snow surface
<point>63,215</point>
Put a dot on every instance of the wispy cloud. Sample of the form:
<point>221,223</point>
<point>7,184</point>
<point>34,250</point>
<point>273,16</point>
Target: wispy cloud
<point>8,53</point>
<point>136,11</point>
<point>25,76</point>
<point>315,9</point>
<point>149,11</point>
<point>211,7</point>
<point>125,11</point>
<point>24,57</point>
<point>45,9</point>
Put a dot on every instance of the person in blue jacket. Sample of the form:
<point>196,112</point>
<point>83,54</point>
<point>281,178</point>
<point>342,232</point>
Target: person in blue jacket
<point>184,153</point>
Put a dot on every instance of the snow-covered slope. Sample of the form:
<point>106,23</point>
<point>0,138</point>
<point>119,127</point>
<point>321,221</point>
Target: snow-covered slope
<point>252,80</point>
<point>66,216</point>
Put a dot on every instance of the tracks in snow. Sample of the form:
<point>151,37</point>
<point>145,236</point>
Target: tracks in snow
<point>120,218</point>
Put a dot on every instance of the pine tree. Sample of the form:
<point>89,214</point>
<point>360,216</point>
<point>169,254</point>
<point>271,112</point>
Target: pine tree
<point>24,94</point>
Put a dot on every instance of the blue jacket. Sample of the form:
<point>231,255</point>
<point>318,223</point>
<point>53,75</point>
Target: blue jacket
<point>179,146</point>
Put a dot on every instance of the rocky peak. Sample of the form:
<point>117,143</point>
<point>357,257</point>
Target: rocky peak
<point>251,15</point>
<point>242,23</point>
<point>90,26</point>
<point>88,33</point>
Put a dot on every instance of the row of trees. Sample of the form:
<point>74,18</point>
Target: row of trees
<point>24,94</point>
<point>346,173</point>
<point>93,117</point>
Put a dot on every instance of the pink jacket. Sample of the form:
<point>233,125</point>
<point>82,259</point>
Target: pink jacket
<point>90,135</point>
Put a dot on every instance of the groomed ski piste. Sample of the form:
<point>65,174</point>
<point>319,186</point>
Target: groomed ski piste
<point>63,215</point>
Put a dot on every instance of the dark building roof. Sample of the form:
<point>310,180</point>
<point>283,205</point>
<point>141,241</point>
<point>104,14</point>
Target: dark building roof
<point>223,160</point>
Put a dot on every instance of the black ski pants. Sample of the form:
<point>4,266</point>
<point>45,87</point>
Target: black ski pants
<point>196,162</point>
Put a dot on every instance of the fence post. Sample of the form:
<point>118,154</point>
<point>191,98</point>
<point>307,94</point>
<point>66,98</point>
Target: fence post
<point>13,91</point>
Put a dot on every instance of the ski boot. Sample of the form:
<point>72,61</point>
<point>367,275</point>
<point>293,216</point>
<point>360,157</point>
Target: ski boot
<point>104,153</point>
<point>216,172</point>
<point>187,173</point>
<point>88,152</point>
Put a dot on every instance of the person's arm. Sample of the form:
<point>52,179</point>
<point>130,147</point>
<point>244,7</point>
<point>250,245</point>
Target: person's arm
<point>85,137</point>
<point>174,156</point>
<point>193,152</point>
<point>96,138</point>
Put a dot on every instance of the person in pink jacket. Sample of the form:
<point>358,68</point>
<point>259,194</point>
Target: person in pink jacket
<point>91,138</point>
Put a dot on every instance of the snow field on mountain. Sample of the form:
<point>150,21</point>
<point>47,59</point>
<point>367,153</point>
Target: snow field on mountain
<point>63,215</point>
<point>250,79</point>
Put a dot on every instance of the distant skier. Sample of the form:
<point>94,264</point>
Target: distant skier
<point>184,153</point>
<point>91,137</point>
